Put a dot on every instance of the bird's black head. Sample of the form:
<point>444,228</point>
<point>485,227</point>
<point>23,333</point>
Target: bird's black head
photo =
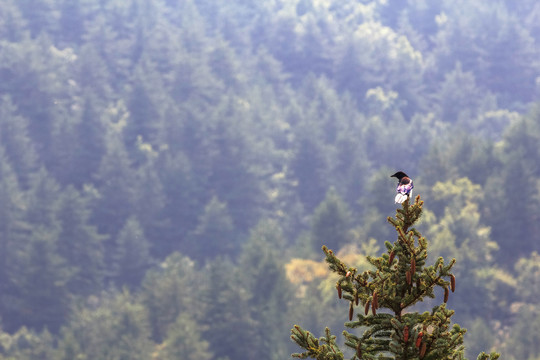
<point>400,175</point>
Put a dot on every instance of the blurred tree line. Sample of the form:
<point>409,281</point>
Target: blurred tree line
<point>168,169</point>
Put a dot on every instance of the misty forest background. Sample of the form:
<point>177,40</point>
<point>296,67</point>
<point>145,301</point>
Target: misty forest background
<point>169,169</point>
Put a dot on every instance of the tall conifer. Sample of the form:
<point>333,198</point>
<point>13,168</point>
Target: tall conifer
<point>380,300</point>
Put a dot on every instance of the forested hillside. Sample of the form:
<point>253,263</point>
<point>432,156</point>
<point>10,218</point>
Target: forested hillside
<point>169,169</point>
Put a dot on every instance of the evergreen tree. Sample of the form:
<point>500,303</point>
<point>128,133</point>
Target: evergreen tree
<point>503,61</point>
<point>41,17</point>
<point>521,337</point>
<point>26,344</point>
<point>61,159</point>
<point>41,273</point>
<point>115,181</point>
<point>71,21</point>
<point>399,279</point>
<point>13,25</point>
<point>132,257</point>
<point>37,87</point>
<point>13,232</point>
<point>214,234</point>
<point>458,231</point>
<point>112,32</point>
<point>183,202</point>
<point>456,101</point>
<point>235,175</point>
<point>16,142</point>
<point>169,290</point>
<point>228,325</point>
<point>43,199</point>
<point>68,348</point>
<point>261,265</point>
<point>184,341</point>
<point>112,326</point>
<point>150,197</point>
<point>79,243</point>
<point>144,115</point>
<point>92,74</point>
<point>309,166</point>
<point>331,222</point>
<point>89,144</point>
<point>515,221</point>
<point>41,295</point>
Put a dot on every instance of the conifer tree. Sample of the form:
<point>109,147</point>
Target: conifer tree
<point>214,234</point>
<point>382,297</point>
<point>16,142</point>
<point>111,326</point>
<point>169,290</point>
<point>79,243</point>
<point>263,276</point>
<point>331,222</point>
<point>41,297</point>
<point>90,144</point>
<point>228,325</point>
<point>183,341</point>
<point>132,255</point>
<point>115,181</point>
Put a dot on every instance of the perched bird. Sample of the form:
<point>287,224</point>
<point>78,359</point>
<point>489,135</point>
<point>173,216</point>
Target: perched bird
<point>404,187</point>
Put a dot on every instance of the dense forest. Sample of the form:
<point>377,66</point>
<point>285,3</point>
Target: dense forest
<point>169,169</point>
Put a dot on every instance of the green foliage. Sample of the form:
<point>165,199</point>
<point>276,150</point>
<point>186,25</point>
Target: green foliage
<point>323,348</point>
<point>458,103</point>
<point>400,278</point>
<point>26,344</point>
<point>40,299</point>
<point>131,256</point>
<point>523,335</point>
<point>480,337</point>
<point>214,234</point>
<point>182,204</point>
<point>116,196</point>
<point>16,142</point>
<point>520,198</point>
<point>228,319</point>
<point>12,230</point>
<point>308,166</point>
<point>80,244</point>
<point>88,147</point>
<point>184,341</point>
<point>331,222</point>
<point>459,232</point>
<point>144,118</point>
<point>150,195</point>
<point>170,290</point>
<point>263,277</point>
<point>528,279</point>
<point>14,24</point>
<point>473,51</point>
<point>112,326</point>
<point>197,119</point>
<point>43,200</point>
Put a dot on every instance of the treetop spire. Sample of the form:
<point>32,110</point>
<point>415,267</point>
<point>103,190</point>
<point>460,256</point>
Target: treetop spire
<point>398,279</point>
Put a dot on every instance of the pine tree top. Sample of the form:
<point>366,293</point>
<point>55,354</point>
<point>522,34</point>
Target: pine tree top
<point>399,279</point>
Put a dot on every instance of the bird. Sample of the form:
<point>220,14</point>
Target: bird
<point>404,187</point>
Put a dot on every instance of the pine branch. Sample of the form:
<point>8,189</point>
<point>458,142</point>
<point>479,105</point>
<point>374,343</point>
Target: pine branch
<point>324,348</point>
<point>492,356</point>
